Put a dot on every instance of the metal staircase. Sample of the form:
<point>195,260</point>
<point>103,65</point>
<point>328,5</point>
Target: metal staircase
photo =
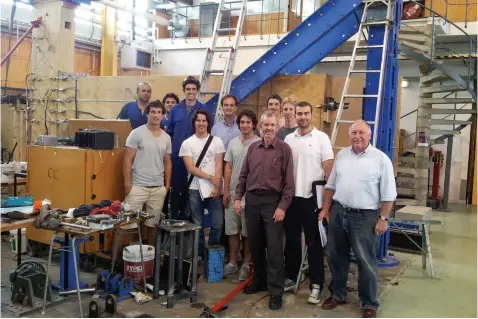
<point>447,104</point>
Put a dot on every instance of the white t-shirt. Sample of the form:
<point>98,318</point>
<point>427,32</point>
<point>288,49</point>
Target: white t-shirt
<point>308,152</point>
<point>193,147</point>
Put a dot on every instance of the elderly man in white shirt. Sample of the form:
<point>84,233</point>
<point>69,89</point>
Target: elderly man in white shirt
<point>358,198</point>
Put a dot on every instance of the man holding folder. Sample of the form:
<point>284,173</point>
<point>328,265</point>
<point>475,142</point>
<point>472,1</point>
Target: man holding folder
<point>202,154</point>
<point>313,160</point>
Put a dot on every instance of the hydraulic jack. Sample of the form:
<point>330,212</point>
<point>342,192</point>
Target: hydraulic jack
<point>216,310</point>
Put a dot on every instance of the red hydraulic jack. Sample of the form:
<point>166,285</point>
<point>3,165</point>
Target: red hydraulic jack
<point>214,311</point>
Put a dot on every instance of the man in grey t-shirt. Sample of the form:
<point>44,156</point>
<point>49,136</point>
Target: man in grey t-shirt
<point>235,225</point>
<point>290,125</point>
<point>147,167</point>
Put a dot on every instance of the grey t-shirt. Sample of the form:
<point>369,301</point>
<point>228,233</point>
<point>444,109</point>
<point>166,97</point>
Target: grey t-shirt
<point>283,132</point>
<point>148,164</point>
<point>236,152</point>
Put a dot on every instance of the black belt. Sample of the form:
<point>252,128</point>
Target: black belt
<point>150,186</point>
<point>263,192</point>
<point>356,210</point>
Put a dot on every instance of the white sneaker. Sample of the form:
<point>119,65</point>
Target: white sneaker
<point>230,269</point>
<point>289,284</point>
<point>315,295</point>
<point>244,273</point>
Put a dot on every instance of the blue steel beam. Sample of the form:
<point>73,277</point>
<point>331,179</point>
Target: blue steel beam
<point>312,30</point>
<point>331,41</point>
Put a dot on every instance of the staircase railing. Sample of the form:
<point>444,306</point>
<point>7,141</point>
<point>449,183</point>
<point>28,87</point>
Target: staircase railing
<point>472,44</point>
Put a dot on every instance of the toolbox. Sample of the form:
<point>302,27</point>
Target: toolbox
<point>12,201</point>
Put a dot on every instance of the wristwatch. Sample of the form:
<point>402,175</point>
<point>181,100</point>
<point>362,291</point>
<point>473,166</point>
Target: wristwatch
<point>383,218</point>
<point>210,177</point>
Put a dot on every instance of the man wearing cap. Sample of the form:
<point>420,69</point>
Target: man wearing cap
<point>180,128</point>
<point>134,110</point>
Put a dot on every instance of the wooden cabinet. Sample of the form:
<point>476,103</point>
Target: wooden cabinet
<point>70,177</point>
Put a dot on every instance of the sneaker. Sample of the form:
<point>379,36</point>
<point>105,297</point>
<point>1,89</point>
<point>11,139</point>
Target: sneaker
<point>315,295</point>
<point>230,269</point>
<point>244,273</point>
<point>289,284</point>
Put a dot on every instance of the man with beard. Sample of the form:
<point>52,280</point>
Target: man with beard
<point>267,180</point>
<point>313,160</point>
<point>180,128</point>
<point>134,111</point>
<point>290,124</point>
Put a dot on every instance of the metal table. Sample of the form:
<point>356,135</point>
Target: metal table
<point>80,234</point>
<point>176,233</point>
<point>18,225</point>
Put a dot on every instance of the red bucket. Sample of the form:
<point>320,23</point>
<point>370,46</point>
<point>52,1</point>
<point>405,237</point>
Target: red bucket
<point>133,268</point>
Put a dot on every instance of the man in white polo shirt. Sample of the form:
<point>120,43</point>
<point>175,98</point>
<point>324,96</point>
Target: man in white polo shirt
<point>313,161</point>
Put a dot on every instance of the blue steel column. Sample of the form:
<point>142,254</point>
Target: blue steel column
<point>387,117</point>
<point>386,138</point>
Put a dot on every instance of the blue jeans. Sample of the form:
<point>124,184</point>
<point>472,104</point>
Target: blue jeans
<point>354,230</point>
<point>215,210</point>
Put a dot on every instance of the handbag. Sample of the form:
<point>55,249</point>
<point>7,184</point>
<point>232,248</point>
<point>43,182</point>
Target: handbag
<point>184,193</point>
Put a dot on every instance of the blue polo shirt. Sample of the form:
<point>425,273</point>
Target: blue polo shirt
<point>133,113</point>
<point>179,125</point>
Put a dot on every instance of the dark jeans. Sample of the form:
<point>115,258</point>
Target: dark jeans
<point>302,214</point>
<point>215,210</point>
<point>356,230</point>
<point>265,234</point>
<point>178,206</point>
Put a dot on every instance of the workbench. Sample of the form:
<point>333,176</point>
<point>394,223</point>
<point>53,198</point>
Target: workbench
<point>77,234</point>
<point>18,225</point>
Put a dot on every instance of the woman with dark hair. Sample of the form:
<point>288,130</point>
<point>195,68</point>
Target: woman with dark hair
<point>169,100</point>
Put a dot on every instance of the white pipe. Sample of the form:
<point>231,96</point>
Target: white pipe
<point>151,17</point>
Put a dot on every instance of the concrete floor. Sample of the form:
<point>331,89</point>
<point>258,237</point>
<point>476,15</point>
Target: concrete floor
<point>404,291</point>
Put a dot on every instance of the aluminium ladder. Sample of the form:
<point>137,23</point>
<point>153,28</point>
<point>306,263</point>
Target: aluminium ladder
<point>230,51</point>
<point>364,23</point>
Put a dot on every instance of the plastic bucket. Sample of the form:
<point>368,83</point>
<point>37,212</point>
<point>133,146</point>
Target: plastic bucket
<point>14,241</point>
<point>133,267</point>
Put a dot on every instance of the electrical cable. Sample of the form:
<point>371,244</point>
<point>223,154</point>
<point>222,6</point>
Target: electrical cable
<point>253,304</point>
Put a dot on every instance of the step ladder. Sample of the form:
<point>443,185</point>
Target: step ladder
<point>364,24</point>
<point>229,51</point>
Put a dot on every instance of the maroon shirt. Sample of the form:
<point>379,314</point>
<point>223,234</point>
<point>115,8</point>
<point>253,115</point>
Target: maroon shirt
<point>269,169</point>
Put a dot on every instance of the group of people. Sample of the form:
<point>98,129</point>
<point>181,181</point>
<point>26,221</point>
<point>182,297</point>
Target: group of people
<point>255,177</point>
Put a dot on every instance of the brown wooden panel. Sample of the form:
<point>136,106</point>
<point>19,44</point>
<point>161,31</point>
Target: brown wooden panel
<point>107,168</point>
<point>40,172</point>
<point>69,177</point>
<point>87,61</point>
<point>456,11</point>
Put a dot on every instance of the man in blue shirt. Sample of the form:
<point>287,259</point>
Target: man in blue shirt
<point>227,129</point>
<point>180,128</point>
<point>134,111</point>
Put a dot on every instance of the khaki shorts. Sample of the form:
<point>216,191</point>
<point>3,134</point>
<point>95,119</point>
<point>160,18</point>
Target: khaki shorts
<point>154,200</point>
<point>234,224</point>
